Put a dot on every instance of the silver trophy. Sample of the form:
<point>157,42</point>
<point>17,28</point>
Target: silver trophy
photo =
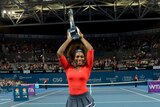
<point>73,29</point>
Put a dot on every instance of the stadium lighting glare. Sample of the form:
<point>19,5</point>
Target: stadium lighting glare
<point>4,11</point>
<point>9,12</point>
<point>47,0</point>
<point>13,12</point>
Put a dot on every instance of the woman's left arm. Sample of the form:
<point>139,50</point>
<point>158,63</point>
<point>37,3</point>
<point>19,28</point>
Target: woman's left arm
<point>90,54</point>
<point>84,41</point>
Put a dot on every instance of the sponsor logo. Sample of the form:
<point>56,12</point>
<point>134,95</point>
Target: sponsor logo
<point>95,80</point>
<point>17,91</point>
<point>127,78</point>
<point>57,80</point>
<point>157,86</point>
<point>30,90</point>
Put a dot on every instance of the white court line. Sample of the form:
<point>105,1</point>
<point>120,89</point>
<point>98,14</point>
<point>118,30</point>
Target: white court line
<point>5,102</point>
<point>37,98</point>
<point>4,99</point>
<point>45,103</point>
<point>147,91</point>
<point>107,102</point>
<point>141,94</point>
<point>1,96</point>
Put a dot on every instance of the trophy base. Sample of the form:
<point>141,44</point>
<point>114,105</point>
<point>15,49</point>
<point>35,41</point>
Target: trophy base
<point>74,33</point>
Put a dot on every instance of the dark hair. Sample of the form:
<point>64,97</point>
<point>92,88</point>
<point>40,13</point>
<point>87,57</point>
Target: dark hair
<point>78,50</point>
<point>73,49</point>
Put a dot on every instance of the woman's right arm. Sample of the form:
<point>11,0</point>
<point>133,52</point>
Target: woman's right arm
<point>63,47</point>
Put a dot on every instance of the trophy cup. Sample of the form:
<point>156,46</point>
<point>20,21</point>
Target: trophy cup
<point>73,29</point>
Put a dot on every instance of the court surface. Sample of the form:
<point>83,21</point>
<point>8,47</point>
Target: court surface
<point>108,96</point>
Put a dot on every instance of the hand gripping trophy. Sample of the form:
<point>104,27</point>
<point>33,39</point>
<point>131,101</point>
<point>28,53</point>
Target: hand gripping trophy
<point>73,30</point>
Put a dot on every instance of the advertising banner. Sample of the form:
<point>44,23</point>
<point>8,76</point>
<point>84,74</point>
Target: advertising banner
<point>20,93</point>
<point>154,86</point>
<point>31,89</point>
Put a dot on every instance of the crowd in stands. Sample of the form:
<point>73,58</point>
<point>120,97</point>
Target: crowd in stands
<point>6,84</point>
<point>10,82</point>
<point>114,52</point>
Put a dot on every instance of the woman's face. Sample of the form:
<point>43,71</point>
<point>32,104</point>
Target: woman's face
<point>79,58</point>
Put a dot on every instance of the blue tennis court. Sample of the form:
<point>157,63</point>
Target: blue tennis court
<point>106,96</point>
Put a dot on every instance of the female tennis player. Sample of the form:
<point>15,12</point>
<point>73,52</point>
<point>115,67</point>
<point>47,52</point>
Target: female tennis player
<point>78,70</point>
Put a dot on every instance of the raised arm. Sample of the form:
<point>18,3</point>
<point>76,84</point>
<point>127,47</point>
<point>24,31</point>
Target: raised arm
<point>63,47</point>
<point>84,41</point>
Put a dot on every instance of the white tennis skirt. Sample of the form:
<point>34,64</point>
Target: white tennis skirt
<point>84,100</point>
